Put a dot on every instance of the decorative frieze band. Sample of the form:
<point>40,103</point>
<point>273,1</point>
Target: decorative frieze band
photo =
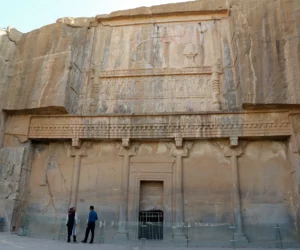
<point>161,126</point>
<point>156,72</point>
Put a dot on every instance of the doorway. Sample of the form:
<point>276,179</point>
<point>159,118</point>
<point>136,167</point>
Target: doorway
<point>151,225</point>
<point>151,215</point>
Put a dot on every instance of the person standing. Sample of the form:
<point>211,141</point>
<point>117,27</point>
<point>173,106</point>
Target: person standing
<point>71,223</point>
<point>90,225</point>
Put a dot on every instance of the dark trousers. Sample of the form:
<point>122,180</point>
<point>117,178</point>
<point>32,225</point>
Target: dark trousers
<point>90,227</point>
<point>70,229</point>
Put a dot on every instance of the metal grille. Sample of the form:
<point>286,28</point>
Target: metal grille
<point>151,225</point>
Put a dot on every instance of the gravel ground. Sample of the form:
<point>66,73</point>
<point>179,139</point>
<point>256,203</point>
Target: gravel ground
<point>12,241</point>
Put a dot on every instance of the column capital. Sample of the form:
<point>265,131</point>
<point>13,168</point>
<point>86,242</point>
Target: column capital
<point>183,151</point>
<point>228,152</point>
<point>127,150</point>
<point>81,151</point>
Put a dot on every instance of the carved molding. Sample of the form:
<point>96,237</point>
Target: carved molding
<point>151,160</point>
<point>161,126</point>
<point>156,72</point>
<point>192,16</point>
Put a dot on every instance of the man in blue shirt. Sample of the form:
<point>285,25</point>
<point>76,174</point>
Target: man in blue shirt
<point>90,225</point>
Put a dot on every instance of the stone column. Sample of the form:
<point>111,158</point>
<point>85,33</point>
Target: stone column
<point>126,152</point>
<point>179,152</point>
<point>234,152</point>
<point>294,153</point>
<point>77,153</point>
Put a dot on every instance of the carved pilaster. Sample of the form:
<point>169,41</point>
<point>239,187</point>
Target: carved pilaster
<point>126,151</point>
<point>294,157</point>
<point>179,153</point>
<point>77,153</point>
<point>234,152</point>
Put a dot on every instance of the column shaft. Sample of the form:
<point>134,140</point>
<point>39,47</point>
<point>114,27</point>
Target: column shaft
<point>179,191</point>
<point>124,199</point>
<point>75,182</point>
<point>236,196</point>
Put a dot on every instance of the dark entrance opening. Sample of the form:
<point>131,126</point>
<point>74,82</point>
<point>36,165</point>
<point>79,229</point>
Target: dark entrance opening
<point>151,225</point>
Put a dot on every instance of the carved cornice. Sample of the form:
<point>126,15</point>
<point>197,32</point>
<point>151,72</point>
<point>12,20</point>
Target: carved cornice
<point>160,126</point>
<point>176,13</point>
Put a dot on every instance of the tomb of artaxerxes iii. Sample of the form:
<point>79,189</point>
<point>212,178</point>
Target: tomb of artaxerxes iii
<point>177,122</point>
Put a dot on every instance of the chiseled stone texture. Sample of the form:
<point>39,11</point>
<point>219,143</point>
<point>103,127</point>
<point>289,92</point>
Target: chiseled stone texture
<point>37,68</point>
<point>206,180</point>
<point>157,92</point>
<point>59,65</point>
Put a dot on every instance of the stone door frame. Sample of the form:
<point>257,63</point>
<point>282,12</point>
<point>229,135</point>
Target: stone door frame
<point>142,169</point>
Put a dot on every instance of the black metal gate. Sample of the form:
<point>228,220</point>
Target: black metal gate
<point>151,225</point>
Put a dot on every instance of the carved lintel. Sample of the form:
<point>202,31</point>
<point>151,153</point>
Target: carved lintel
<point>234,141</point>
<point>178,142</point>
<point>76,143</point>
<point>126,142</point>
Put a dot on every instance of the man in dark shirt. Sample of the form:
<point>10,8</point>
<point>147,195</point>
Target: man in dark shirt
<point>90,225</point>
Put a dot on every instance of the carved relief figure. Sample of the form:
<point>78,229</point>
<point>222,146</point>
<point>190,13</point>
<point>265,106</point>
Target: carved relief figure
<point>50,163</point>
<point>202,28</point>
<point>140,55</point>
<point>9,169</point>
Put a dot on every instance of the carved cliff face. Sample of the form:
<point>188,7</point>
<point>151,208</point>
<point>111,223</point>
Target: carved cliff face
<point>134,62</point>
<point>153,68</point>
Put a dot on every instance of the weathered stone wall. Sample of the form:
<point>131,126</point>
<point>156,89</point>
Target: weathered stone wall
<point>39,71</point>
<point>195,57</point>
<point>15,165</point>
<point>265,48</point>
<point>267,192</point>
<point>60,64</point>
<point>266,186</point>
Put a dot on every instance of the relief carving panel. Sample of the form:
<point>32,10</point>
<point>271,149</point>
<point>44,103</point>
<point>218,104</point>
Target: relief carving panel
<point>154,94</point>
<point>167,67</point>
